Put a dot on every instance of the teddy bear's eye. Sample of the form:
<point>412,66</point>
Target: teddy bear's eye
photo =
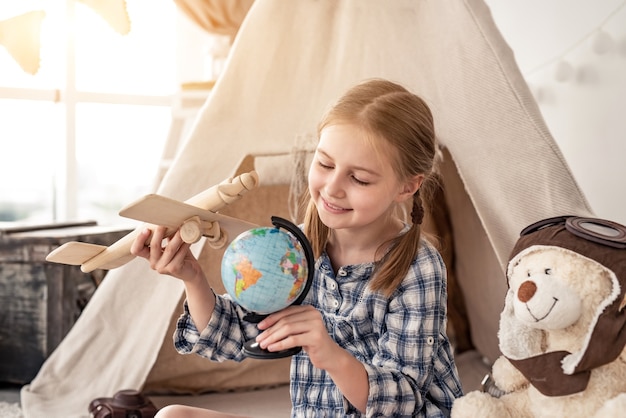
<point>528,273</point>
<point>548,271</point>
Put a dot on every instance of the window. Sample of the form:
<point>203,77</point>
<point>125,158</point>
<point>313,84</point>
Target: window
<point>82,137</point>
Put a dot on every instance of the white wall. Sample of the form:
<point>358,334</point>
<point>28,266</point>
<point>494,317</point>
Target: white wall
<point>586,114</point>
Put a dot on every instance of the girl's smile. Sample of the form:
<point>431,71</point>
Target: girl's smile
<point>333,208</point>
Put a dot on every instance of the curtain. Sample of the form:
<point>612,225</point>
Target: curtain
<point>114,12</point>
<point>221,17</point>
<point>21,36</point>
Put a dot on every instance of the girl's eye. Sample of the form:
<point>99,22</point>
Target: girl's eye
<point>359,182</point>
<point>324,166</point>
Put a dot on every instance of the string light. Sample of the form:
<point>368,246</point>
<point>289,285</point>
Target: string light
<point>564,71</point>
<point>601,43</point>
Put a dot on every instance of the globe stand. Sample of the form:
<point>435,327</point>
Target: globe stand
<point>251,348</point>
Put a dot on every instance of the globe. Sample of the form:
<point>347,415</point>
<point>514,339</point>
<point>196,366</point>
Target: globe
<point>266,269</point>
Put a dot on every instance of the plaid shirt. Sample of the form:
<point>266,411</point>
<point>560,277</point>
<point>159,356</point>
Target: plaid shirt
<point>400,340</point>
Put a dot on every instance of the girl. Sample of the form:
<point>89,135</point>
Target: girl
<point>373,326</point>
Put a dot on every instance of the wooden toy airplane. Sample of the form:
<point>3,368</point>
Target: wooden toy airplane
<point>196,217</point>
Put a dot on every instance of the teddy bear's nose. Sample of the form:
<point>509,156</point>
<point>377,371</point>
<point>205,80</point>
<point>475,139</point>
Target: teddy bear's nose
<point>526,291</point>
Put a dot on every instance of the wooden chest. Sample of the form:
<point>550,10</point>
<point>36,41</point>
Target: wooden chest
<point>40,301</point>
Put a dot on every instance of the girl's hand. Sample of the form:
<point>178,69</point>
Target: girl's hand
<point>303,326</point>
<point>171,256</point>
<point>299,326</point>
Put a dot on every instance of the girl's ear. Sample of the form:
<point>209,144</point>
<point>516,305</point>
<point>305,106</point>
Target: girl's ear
<point>410,187</point>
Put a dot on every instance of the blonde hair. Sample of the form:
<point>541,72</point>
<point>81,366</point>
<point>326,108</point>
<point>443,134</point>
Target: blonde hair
<point>400,124</point>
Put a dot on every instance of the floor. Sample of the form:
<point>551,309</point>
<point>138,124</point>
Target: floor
<point>264,403</point>
<point>268,403</point>
<point>9,398</point>
<point>9,393</point>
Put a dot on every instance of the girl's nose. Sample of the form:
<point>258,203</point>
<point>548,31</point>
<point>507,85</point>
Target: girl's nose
<point>334,186</point>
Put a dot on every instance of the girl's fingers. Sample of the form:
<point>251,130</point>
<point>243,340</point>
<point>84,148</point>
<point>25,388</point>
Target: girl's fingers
<point>278,340</point>
<point>287,312</point>
<point>286,343</point>
<point>175,255</point>
<point>169,255</point>
<point>287,325</point>
<point>138,247</point>
<point>174,243</point>
<point>156,243</point>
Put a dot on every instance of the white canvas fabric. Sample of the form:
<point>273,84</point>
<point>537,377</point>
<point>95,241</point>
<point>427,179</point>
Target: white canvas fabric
<point>290,60</point>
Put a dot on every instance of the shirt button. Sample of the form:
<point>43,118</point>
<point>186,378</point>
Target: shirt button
<point>342,272</point>
<point>333,285</point>
<point>335,303</point>
<point>430,340</point>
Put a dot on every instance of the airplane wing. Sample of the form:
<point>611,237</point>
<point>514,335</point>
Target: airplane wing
<point>161,210</point>
<point>74,253</point>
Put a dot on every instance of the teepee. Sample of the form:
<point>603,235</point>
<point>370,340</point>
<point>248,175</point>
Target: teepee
<point>502,169</point>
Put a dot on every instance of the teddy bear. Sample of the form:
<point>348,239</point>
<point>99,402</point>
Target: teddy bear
<point>562,332</point>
